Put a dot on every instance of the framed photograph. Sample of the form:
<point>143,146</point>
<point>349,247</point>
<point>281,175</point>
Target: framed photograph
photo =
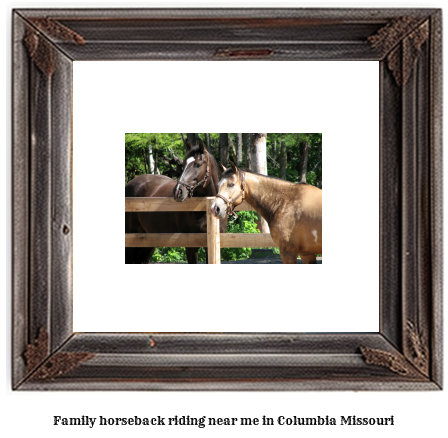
<point>179,344</point>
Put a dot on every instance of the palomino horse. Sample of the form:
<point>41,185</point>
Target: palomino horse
<point>292,211</point>
<point>200,178</point>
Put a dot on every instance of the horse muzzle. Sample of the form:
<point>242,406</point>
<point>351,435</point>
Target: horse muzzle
<point>180,193</point>
<point>219,211</point>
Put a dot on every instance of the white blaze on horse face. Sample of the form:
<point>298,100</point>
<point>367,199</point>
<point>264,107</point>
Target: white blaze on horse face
<point>219,203</point>
<point>188,164</point>
<point>220,185</point>
<point>314,233</point>
<point>189,161</point>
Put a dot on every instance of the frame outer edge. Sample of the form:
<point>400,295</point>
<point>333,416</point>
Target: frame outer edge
<point>20,200</point>
<point>43,121</point>
<point>235,13</point>
<point>45,310</point>
<point>436,137</point>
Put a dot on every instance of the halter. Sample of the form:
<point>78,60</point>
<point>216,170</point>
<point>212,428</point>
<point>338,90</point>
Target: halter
<point>230,207</point>
<point>204,180</point>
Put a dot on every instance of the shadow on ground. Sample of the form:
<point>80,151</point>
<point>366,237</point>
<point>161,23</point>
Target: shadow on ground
<point>259,256</point>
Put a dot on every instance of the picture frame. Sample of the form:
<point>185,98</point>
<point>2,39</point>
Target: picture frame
<point>406,353</point>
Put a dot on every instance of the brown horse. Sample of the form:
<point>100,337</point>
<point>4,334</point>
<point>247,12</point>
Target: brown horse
<point>200,178</point>
<point>292,211</point>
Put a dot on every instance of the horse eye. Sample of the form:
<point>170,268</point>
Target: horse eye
<point>197,164</point>
<point>230,184</point>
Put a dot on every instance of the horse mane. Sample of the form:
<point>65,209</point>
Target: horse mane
<point>229,172</point>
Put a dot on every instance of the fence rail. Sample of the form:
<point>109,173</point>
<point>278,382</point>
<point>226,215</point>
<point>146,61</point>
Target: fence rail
<point>213,239</point>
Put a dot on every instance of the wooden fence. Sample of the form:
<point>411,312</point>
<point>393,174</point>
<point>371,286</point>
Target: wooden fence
<point>213,240</point>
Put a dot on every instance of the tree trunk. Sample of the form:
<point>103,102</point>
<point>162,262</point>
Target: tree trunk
<point>259,165</point>
<point>193,139</point>
<point>184,140</point>
<point>207,143</point>
<point>150,159</point>
<point>156,160</point>
<point>145,160</point>
<point>283,160</point>
<point>303,160</point>
<point>232,151</point>
<point>319,160</point>
<point>246,149</point>
<point>258,153</point>
<point>239,148</point>
<point>318,163</point>
<point>224,149</point>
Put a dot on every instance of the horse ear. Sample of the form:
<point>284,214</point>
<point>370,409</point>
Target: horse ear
<point>222,168</point>
<point>201,146</point>
<point>188,145</point>
<point>234,168</point>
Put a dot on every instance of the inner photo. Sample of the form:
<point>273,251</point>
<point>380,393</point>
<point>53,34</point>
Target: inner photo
<point>229,198</point>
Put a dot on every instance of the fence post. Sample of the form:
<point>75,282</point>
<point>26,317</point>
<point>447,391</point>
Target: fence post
<point>213,236</point>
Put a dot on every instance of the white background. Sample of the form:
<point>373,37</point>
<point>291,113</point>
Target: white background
<point>339,99</point>
<point>416,414</point>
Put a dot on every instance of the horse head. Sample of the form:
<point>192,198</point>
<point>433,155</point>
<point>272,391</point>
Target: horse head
<point>196,171</point>
<point>231,189</point>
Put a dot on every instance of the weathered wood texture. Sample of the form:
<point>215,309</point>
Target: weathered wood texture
<point>21,195</point>
<point>406,354</point>
<point>213,236</point>
<point>175,240</point>
<point>193,240</point>
<point>169,204</point>
<point>213,240</point>
<point>249,240</point>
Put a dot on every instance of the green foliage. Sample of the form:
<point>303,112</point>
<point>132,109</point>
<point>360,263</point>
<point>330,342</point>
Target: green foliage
<point>245,223</point>
<point>169,255</point>
<point>137,153</point>
<point>292,142</point>
<point>137,147</point>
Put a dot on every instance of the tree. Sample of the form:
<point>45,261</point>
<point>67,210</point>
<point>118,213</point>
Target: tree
<point>246,149</point>
<point>283,160</point>
<point>151,166</point>
<point>138,157</point>
<point>232,151</point>
<point>258,153</point>
<point>259,165</point>
<point>314,174</point>
<point>207,143</point>
<point>193,139</point>
<point>224,149</point>
<point>239,148</point>
<point>302,167</point>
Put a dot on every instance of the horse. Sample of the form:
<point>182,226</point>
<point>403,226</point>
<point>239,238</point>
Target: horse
<point>292,211</point>
<point>199,178</point>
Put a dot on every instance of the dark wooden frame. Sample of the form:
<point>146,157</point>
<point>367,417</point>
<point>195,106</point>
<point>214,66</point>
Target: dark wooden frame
<point>406,354</point>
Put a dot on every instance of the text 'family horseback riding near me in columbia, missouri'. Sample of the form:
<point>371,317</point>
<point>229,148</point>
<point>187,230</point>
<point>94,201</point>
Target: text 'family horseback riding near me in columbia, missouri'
<point>204,421</point>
